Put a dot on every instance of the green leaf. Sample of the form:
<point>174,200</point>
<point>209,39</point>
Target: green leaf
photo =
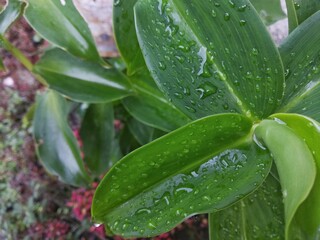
<point>294,162</point>
<point>56,145</point>
<point>204,166</point>
<point>97,134</point>
<point>2,67</point>
<point>82,80</point>
<point>11,12</point>
<point>301,57</point>
<point>124,29</point>
<point>60,23</point>
<point>258,216</point>
<point>309,130</point>
<point>210,57</point>
<point>300,10</point>
<point>142,132</point>
<point>127,141</point>
<point>270,11</point>
<point>150,107</point>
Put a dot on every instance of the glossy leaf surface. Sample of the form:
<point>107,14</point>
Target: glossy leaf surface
<point>270,11</point>
<point>309,130</point>
<point>10,13</point>
<point>97,134</point>
<point>258,216</point>
<point>150,107</point>
<point>300,10</point>
<point>125,35</point>
<point>294,161</point>
<point>210,56</point>
<point>62,25</point>
<point>82,80</point>
<point>204,166</point>
<point>301,57</point>
<point>56,145</point>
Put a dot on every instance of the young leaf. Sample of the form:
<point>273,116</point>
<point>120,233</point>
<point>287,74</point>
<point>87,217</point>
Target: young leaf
<point>124,29</point>
<point>97,134</point>
<point>10,14</point>
<point>270,11</point>
<point>56,145</point>
<point>82,80</point>
<point>150,107</point>
<point>300,10</point>
<point>62,25</point>
<point>210,57</point>
<point>294,161</point>
<point>258,216</point>
<point>204,166</point>
<point>309,130</point>
<point>301,57</point>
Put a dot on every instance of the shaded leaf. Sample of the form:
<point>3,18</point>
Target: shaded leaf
<point>210,57</point>
<point>258,216</point>
<point>2,67</point>
<point>56,145</point>
<point>301,57</point>
<point>124,29</point>
<point>309,131</point>
<point>294,162</point>
<point>11,12</point>
<point>82,80</point>
<point>62,25</point>
<point>142,132</point>
<point>97,134</point>
<point>204,166</point>
<point>270,11</point>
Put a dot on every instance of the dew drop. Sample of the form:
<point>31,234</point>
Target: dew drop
<point>242,22</point>
<point>206,89</point>
<point>162,65</point>
<point>255,52</point>
<point>227,16</point>
<point>213,13</point>
<point>190,109</point>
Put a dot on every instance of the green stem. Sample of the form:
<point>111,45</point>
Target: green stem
<point>211,226</point>
<point>20,57</point>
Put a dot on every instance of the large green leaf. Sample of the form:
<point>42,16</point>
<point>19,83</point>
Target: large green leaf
<point>309,131</point>
<point>258,216</point>
<point>97,134</point>
<point>211,57</point>
<point>204,166</point>
<point>10,13</point>
<point>56,145</point>
<point>60,23</point>
<point>270,11</point>
<point>150,106</point>
<point>301,57</point>
<point>294,161</point>
<point>82,80</point>
<point>124,29</point>
<point>300,10</point>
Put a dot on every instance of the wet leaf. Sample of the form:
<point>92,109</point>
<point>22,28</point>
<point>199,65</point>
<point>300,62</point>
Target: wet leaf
<point>124,29</point>
<point>82,80</point>
<point>97,134</point>
<point>309,130</point>
<point>258,216</point>
<point>210,57</point>
<point>301,57</point>
<point>294,161</point>
<point>62,25</point>
<point>270,11</point>
<point>204,166</point>
<point>11,12</point>
<point>56,145</point>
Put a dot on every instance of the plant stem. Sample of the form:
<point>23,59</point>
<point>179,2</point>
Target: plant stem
<point>20,57</point>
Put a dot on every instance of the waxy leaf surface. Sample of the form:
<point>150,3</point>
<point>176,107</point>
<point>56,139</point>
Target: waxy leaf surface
<point>202,167</point>
<point>258,216</point>
<point>210,56</point>
<point>10,13</point>
<point>309,130</point>
<point>82,80</point>
<point>56,145</point>
<point>270,11</point>
<point>60,23</point>
<point>301,58</point>
<point>97,134</point>
<point>294,161</point>
<point>125,35</point>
